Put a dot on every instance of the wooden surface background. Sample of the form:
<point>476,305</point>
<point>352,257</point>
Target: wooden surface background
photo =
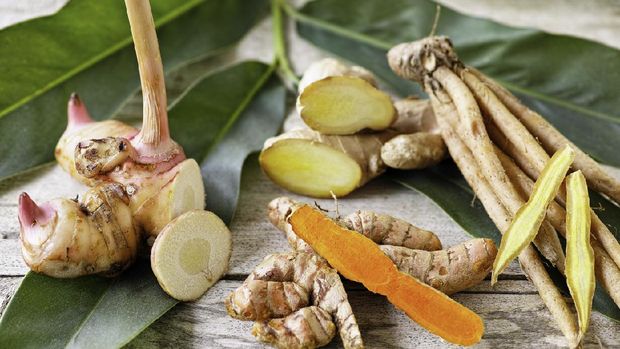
<point>514,314</point>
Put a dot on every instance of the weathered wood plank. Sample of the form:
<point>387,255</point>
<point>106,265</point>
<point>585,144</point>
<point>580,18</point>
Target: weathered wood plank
<point>511,321</point>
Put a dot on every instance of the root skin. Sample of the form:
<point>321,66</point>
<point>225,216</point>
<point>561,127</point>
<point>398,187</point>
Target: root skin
<point>66,239</point>
<point>314,277</point>
<point>552,140</point>
<point>414,115</point>
<point>263,300</point>
<point>413,151</point>
<point>387,230</point>
<point>453,270</point>
<point>528,258</point>
<point>309,327</point>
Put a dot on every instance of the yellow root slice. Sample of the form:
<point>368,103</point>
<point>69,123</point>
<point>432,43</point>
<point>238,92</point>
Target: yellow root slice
<point>309,327</point>
<point>579,253</point>
<point>344,105</point>
<point>413,151</point>
<point>528,219</point>
<point>190,254</point>
<point>312,164</point>
<point>453,270</point>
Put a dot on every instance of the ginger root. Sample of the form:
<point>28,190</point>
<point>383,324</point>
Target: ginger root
<point>65,238</point>
<point>363,261</point>
<point>336,99</point>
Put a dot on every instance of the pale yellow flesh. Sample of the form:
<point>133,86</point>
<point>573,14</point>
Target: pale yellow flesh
<point>190,254</point>
<point>310,168</point>
<point>529,217</point>
<point>343,105</point>
<point>580,275</point>
<point>189,191</point>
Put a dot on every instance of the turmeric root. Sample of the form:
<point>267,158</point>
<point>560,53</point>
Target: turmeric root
<point>65,239</point>
<point>338,100</point>
<point>415,251</point>
<point>191,254</point>
<point>364,262</point>
<point>309,327</point>
<point>453,270</point>
<point>294,278</point>
<point>382,229</point>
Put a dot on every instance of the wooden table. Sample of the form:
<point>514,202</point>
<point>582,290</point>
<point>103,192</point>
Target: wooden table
<point>514,314</point>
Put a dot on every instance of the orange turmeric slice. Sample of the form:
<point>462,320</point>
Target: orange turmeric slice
<point>359,259</point>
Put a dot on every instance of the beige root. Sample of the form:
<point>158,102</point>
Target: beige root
<point>65,239</point>
<point>413,151</point>
<point>552,140</point>
<point>315,280</point>
<point>453,270</point>
<point>415,251</point>
<point>528,162</point>
<point>528,259</point>
<point>308,327</point>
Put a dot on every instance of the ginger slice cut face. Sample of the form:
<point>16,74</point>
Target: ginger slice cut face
<point>344,105</point>
<point>310,168</point>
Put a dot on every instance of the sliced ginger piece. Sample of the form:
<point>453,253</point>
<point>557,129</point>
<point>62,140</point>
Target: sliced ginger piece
<point>344,105</point>
<point>309,168</point>
<point>190,254</point>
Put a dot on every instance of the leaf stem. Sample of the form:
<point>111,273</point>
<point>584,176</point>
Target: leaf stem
<point>279,40</point>
<point>153,142</point>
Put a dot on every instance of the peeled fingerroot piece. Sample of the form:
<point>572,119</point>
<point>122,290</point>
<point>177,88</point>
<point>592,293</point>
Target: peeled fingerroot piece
<point>309,327</point>
<point>530,216</point>
<point>579,254</point>
<point>190,254</point>
<point>344,105</point>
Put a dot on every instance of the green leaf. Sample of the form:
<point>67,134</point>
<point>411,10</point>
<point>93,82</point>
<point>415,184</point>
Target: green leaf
<point>86,47</point>
<point>216,128</point>
<point>222,119</point>
<point>570,81</point>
